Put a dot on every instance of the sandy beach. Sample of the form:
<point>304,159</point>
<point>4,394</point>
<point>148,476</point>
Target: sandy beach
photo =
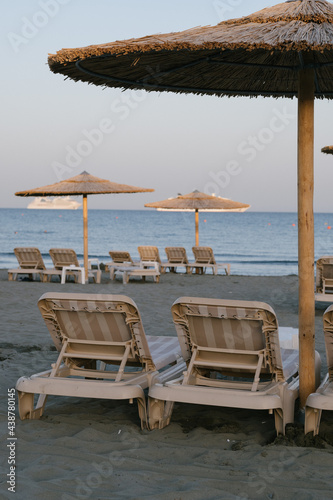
<point>93,449</point>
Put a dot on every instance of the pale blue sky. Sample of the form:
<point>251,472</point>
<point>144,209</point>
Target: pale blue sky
<point>239,148</point>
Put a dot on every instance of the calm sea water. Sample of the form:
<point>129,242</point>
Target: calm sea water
<point>255,243</point>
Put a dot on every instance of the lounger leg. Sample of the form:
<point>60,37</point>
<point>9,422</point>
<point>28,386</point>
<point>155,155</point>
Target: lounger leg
<point>26,405</point>
<point>279,424</point>
<point>159,413</point>
<point>10,276</point>
<point>312,420</point>
<point>285,415</point>
<point>142,413</point>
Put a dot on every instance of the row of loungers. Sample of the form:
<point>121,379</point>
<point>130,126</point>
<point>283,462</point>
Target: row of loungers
<point>66,263</point>
<point>228,353</point>
<point>64,260</point>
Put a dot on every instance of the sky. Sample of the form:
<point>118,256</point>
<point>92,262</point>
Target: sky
<point>238,148</point>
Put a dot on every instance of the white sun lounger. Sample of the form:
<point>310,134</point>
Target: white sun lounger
<point>176,257</point>
<point>324,279</point>
<point>66,263</point>
<point>233,359</point>
<point>138,271</point>
<point>204,258</point>
<point>322,399</point>
<point>30,261</point>
<point>103,353</point>
<point>119,260</point>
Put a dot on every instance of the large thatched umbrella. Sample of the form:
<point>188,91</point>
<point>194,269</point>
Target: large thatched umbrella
<point>83,184</point>
<point>196,201</point>
<point>282,51</point>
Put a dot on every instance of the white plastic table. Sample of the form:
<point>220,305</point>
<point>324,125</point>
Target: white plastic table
<point>71,268</point>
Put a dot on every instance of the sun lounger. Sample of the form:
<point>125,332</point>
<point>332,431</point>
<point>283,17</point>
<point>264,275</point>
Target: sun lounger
<point>176,258</point>
<point>30,261</point>
<point>233,359</point>
<point>103,353</point>
<point>66,263</point>
<point>204,258</point>
<point>324,279</point>
<point>131,271</point>
<point>119,260</point>
<point>149,254</point>
<point>322,399</point>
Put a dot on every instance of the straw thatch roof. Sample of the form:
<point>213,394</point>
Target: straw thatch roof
<point>259,54</point>
<point>82,184</point>
<point>199,201</point>
<point>328,150</point>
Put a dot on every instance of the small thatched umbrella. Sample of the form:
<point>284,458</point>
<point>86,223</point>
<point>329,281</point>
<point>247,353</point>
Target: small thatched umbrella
<point>199,201</point>
<point>83,184</point>
<point>328,150</point>
<point>282,51</point>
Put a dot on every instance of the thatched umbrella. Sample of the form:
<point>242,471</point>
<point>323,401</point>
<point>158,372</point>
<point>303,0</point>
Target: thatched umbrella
<point>83,184</point>
<point>199,201</point>
<point>328,150</point>
<point>282,51</point>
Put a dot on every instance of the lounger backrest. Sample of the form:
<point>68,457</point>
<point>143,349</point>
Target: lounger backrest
<point>29,258</point>
<point>176,255</point>
<point>63,257</point>
<point>324,269</point>
<point>109,319</point>
<point>120,257</point>
<point>148,253</point>
<point>203,255</point>
<point>328,334</point>
<point>229,326</point>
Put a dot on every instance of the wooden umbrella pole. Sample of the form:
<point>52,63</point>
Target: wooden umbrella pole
<point>306,234</point>
<point>196,227</point>
<point>85,234</point>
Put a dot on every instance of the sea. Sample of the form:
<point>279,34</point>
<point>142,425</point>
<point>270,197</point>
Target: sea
<point>254,243</point>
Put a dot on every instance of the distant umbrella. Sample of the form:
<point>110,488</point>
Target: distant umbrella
<point>282,51</point>
<point>83,184</point>
<point>196,201</point>
<point>328,150</point>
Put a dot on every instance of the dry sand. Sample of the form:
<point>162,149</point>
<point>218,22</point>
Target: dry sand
<point>92,449</point>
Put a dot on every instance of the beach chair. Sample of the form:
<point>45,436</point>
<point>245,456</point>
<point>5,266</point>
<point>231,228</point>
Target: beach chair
<point>322,399</point>
<point>176,257</point>
<point>233,359</point>
<point>149,254</point>
<point>324,277</point>
<point>30,261</point>
<point>66,263</point>
<point>103,353</point>
<point>138,271</point>
<point>119,260</point>
<point>204,258</point>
